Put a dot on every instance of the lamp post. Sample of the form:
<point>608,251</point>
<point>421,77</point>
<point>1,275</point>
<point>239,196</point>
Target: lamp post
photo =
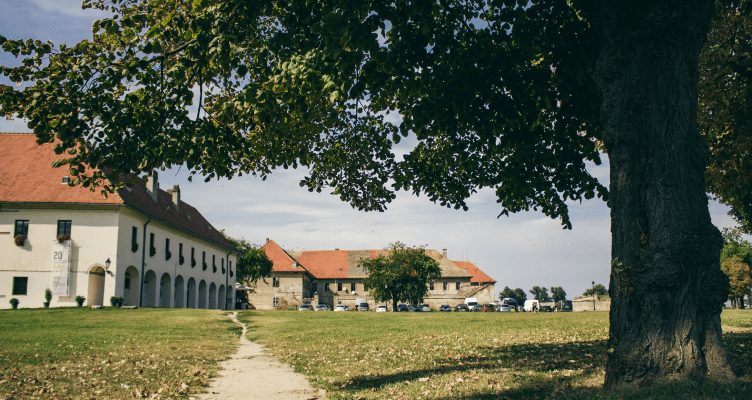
<point>593,295</point>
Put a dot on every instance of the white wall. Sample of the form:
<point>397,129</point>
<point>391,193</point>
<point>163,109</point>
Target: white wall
<point>93,240</point>
<point>99,233</point>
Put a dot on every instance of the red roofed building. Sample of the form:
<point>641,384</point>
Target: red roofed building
<point>141,243</point>
<point>333,276</point>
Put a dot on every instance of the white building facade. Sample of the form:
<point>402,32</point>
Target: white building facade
<point>142,243</point>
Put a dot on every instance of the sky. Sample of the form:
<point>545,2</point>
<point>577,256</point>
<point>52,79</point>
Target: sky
<point>519,251</point>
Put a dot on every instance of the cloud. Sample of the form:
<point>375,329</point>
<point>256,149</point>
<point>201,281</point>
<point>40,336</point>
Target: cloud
<point>69,7</point>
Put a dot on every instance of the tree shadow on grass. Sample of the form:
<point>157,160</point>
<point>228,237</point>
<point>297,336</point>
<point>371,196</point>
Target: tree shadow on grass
<point>572,370</point>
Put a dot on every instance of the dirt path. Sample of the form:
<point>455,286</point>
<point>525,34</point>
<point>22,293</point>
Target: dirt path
<point>251,374</point>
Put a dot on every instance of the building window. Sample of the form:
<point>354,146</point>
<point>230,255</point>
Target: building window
<point>431,286</point>
<point>152,249</point>
<point>20,285</point>
<point>446,285</point>
<point>275,282</point>
<point>222,263</point>
<point>275,302</point>
<point>180,254</point>
<point>339,287</point>
<point>352,287</point>
<point>22,227</point>
<point>134,239</point>
<point>314,287</point>
<point>66,180</point>
<point>458,286</point>
<point>214,263</point>
<point>64,228</point>
<point>168,255</point>
<point>127,284</point>
<point>475,284</point>
<point>326,287</point>
<point>193,257</point>
<point>203,261</point>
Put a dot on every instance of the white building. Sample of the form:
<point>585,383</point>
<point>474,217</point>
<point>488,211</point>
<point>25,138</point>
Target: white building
<point>141,243</point>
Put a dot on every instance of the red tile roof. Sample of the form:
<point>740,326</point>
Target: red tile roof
<point>327,264</point>
<point>282,262</point>
<point>27,176</point>
<point>478,275</point>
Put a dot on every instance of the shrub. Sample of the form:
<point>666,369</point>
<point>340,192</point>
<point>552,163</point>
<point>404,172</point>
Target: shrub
<point>14,302</point>
<point>63,238</point>
<point>19,240</point>
<point>80,300</point>
<point>48,295</point>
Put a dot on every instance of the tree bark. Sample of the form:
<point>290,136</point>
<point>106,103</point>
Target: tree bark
<point>666,285</point>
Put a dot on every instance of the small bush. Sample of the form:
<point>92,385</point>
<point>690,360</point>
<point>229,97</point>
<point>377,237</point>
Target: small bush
<point>48,295</point>
<point>63,238</point>
<point>14,302</point>
<point>80,300</point>
<point>19,240</point>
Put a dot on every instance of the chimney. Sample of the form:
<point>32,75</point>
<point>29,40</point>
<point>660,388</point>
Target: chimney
<point>152,184</point>
<point>176,196</point>
<point>267,240</point>
<point>444,252</point>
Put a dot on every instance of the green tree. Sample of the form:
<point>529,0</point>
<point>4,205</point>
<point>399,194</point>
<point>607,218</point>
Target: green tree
<point>540,293</point>
<point>558,293</point>
<point>513,96</point>
<point>725,109</point>
<point>252,263</point>
<point>600,290</point>
<point>520,296</point>
<point>506,292</point>
<point>740,279</point>
<point>740,251</point>
<point>400,274</point>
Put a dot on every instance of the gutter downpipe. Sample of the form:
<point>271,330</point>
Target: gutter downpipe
<point>227,280</point>
<point>143,264</point>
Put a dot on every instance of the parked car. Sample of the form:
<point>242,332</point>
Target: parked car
<point>546,309</point>
<point>381,309</point>
<point>342,307</point>
<point>512,303</point>
<point>425,308</point>
<point>402,308</point>
<point>363,307</point>
<point>505,308</point>
<point>322,307</point>
<point>564,306</point>
<point>475,308</point>
<point>488,308</point>
<point>461,308</point>
<point>414,308</point>
<point>445,308</point>
<point>305,307</point>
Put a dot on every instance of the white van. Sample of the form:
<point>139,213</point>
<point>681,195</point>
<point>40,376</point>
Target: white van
<point>472,303</point>
<point>532,305</point>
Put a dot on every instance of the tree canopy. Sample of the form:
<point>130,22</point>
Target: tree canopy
<point>558,293</point>
<point>400,274</point>
<point>311,84</point>
<point>600,290</point>
<point>540,293</point>
<point>252,263</point>
<point>725,108</point>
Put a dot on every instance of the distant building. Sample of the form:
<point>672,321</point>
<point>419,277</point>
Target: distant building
<point>333,277</point>
<point>141,243</point>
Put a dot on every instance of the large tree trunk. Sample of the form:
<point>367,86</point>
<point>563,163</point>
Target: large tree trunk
<point>667,288</point>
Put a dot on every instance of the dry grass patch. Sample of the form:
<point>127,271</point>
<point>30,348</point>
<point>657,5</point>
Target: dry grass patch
<point>464,355</point>
<point>67,353</point>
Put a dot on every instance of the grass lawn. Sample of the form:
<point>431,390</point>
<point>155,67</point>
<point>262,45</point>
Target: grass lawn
<point>468,355</point>
<point>80,353</point>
